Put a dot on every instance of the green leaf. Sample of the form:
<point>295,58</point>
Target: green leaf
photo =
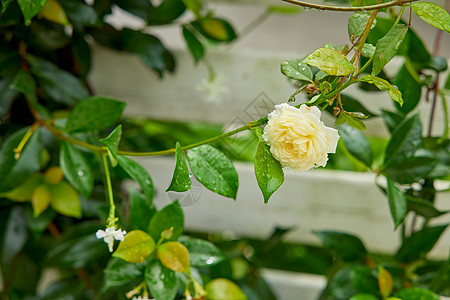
<point>112,142</point>
<point>76,169</point>
<point>40,224</point>
<point>357,144</point>
<point>330,61</point>
<point>138,173</point>
<point>175,256</point>
<point>94,113</point>
<point>419,243</point>
<point>79,13</point>
<point>161,281</point>
<point>14,171</point>
<point>356,24</point>
<point>406,139</point>
<point>58,84</point>
<point>214,170</point>
<point>5,4</point>
<point>30,8</point>
<point>54,12</point>
<point>136,247</point>
<point>387,47</point>
<point>364,297</point>
<point>24,191</point>
<point>169,216</point>
<point>65,200</point>
<point>119,272</point>
<point>268,171</point>
<point>165,13</point>
<point>141,210</point>
<point>392,120</point>
<point>24,83</point>
<point>410,89</point>
<point>411,169</point>
<point>40,199</point>
<point>397,203</point>
<point>194,45</point>
<point>368,50</point>
<point>351,104</point>
<point>345,246</point>
<point>15,235</point>
<point>195,6</point>
<point>296,69</point>
<point>223,289</point>
<point>181,181</point>
<point>423,207</point>
<point>433,14</point>
<point>150,50</point>
<point>202,253</point>
<point>416,293</point>
<point>383,85</point>
<point>351,120</point>
<point>215,29</point>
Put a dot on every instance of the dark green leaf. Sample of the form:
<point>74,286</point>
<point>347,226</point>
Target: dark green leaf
<point>215,29</point>
<point>416,293</point>
<point>419,243</point>
<point>423,207</point>
<point>387,47</point>
<point>138,8</point>
<point>15,171</point>
<point>4,4</point>
<point>150,49</point>
<point>392,120</point>
<point>330,61</point>
<point>94,113</point>
<point>397,203</point>
<point>119,272</point>
<point>194,45</point>
<point>433,14</point>
<point>417,51</point>
<point>48,36</point>
<point>357,144</point>
<point>438,64</point>
<point>383,85</point>
<point>81,54</point>
<point>30,8</point>
<point>38,225</point>
<point>406,139</point>
<point>58,84</point>
<point>352,121</point>
<point>139,174</point>
<point>181,181</point>
<point>169,216</point>
<point>78,247</point>
<point>353,280</point>
<point>79,13</point>
<point>7,95</point>
<point>345,246</point>
<point>141,210</point>
<point>15,235</point>
<point>67,288</point>
<point>351,104</point>
<point>411,169</point>
<point>296,69</point>
<point>76,169</point>
<point>166,12</point>
<point>161,281</point>
<point>268,171</point>
<point>214,170</point>
<point>202,253</point>
<point>410,89</point>
<point>112,142</point>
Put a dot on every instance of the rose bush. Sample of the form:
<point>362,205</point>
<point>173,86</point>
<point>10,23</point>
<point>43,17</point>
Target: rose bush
<point>298,138</point>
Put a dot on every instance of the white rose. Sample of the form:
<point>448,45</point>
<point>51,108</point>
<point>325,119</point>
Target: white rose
<point>298,138</point>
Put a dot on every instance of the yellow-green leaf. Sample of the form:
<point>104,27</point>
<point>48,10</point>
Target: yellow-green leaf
<point>385,282</point>
<point>330,61</point>
<point>24,191</point>
<point>40,199</point>
<point>223,289</point>
<point>383,85</point>
<point>53,175</point>
<point>53,11</point>
<point>175,256</point>
<point>215,28</point>
<point>65,200</point>
<point>136,247</point>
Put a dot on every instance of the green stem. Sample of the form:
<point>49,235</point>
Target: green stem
<point>112,207</point>
<point>400,14</point>
<point>365,33</point>
<point>349,9</point>
<point>24,140</point>
<point>446,125</point>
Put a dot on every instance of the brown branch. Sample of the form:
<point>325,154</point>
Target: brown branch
<point>349,9</point>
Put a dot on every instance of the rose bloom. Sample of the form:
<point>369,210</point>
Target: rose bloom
<point>298,138</point>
